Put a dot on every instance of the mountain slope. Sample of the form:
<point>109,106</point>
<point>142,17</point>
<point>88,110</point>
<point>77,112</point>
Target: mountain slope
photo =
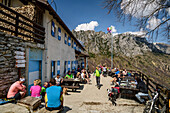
<point>130,52</point>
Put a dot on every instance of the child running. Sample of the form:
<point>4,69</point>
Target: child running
<point>36,89</point>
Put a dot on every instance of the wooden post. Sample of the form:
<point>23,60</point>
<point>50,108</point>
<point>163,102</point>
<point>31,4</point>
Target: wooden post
<point>147,83</point>
<point>16,24</point>
<point>168,101</point>
<point>142,76</point>
<point>19,73</point>
<point>84,62</point>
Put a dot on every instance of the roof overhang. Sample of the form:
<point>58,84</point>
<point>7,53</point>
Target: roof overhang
<point>59,20</point>
<point>81,54</point>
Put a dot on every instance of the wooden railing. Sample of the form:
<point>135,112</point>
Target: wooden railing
<point>164,95</point>
<point>18,25</point>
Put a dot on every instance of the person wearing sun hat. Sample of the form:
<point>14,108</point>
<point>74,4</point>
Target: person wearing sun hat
<point>17,89</point>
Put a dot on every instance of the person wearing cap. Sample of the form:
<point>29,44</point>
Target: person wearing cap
<point>17,89</point>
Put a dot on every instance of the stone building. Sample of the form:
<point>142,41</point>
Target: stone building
<point>35,43</point>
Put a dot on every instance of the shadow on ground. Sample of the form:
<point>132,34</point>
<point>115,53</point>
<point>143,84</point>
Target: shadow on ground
<point>66,109</point>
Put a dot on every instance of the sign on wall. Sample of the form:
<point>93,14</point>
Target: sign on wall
<point>20,59</point>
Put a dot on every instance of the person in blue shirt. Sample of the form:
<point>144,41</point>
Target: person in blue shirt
<point>117,72</point>
<point>54,97</point>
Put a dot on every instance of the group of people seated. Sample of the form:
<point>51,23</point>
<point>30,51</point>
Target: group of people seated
<point>80,74</point>
<point>125,75</point>
<point>50,92</point>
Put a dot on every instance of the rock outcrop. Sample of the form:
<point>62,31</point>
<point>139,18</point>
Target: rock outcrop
<point>127,44</point>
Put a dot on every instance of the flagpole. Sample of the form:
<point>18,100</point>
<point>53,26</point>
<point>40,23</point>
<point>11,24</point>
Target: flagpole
<point>111,51</point>
<point>109,29</point>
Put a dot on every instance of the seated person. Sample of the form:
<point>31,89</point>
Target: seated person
<point>142,90</point>
<point>53,96</point>
<point>124,72</point>
<point>36,89</point>
<point>114,82</point>
<point>17,89</point>
<point>84,77</point>
<point>59,80</point>
<point>78,75</point>
<point>73,72</point>
<point>69,75</point>
<point>117,71</point>
<point>43,90</point>
<point>118,78</point>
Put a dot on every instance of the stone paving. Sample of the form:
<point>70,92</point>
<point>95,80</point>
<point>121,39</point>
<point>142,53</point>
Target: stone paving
<point>88,99</point>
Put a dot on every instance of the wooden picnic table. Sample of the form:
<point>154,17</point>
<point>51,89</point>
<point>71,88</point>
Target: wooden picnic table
<point>71,83</point>
<point>128,89</point>
<point>128,92</point>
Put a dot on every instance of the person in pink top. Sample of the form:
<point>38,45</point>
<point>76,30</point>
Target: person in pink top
<point>17,89</point>
<point>36,89</point>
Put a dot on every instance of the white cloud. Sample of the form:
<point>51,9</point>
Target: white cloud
<point>139,8</point>
<point>153,22</point>
<point>114,34</point>
<point>113,29</point>
<point>87,26</point>
<point>141,33</point>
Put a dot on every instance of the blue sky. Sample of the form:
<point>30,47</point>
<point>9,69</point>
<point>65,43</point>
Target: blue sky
<point>77,12</point>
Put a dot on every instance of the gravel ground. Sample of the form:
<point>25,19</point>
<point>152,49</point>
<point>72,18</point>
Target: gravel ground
<point>89,99</point>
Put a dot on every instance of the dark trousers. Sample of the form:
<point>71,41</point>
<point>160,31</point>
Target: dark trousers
<point>98,80</point>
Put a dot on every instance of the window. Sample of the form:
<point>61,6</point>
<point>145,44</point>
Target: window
<point>52,69</point>
<point>69,41</point>
<point>59,33</point>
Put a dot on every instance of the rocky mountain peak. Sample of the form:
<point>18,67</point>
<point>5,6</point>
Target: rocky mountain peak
<point>126,44</point>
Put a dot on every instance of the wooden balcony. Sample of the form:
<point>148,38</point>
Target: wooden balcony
<point>16,24</point>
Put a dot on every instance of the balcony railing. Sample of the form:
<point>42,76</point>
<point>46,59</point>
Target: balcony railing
<point>18,25</point>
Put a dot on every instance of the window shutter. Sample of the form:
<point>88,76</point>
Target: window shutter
<point>58,67</point>
<point>52,69</point>
<point>68,65</point>
<point>65,39</point>
<point>82,64</point>
<point>59,33</point>
<point>65,65</point>
<point>69,41</point>
<point>74,45</point>
<point>53,29</point>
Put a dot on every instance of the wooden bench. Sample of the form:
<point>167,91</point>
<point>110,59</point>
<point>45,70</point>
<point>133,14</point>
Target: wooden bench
<point>71,87</point>
<point>29,102</point>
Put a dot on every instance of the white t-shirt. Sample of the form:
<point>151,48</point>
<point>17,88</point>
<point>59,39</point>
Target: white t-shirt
<point>82,75</point>
<point>104,68</point>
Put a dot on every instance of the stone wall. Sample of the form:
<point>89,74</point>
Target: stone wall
<point>8,71</point>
